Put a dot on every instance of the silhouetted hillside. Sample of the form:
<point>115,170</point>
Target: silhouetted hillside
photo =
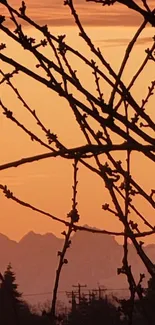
<point>92,259</point>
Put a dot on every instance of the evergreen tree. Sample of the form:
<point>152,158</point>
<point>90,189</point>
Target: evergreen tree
<point>13,309</point>
<point>11,302</point>
<point>9,286</point>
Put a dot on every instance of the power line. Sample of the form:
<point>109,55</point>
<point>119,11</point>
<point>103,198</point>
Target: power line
<point>79,287</point>
<point>41,293</point>
<point>64,291</point>
<point>37,294</point>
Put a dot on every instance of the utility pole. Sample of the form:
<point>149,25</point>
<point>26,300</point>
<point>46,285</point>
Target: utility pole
<point>100,291</point>
<point>79,287</point>
<point>92,295</point>
<point>72,295</point>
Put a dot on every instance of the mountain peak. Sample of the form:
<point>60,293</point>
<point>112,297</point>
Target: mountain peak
<point>5,239</point>
<point>95,256</point>
<point>33,235</point>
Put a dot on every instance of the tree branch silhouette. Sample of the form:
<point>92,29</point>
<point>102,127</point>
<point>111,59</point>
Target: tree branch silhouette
<point>100,121</point>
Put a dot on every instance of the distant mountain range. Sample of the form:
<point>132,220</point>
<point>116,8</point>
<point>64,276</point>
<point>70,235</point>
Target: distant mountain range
<point>92,259</point>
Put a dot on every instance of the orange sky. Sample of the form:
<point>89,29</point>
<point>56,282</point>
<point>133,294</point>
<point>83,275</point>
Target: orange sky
<point>48,184</point>
<point>55,13</point>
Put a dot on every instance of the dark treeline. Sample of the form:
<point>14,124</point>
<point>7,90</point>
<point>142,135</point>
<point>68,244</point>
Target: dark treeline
<point>94,308</point>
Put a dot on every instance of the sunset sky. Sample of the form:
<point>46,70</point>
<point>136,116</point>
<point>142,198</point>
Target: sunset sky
<point>48,184</point>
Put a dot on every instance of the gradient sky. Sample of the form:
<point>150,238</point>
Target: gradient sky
<point>48,184</point>
<point>55,13</point>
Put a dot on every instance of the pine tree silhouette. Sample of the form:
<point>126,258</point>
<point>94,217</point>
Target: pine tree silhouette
<point>9,285</point>
<point>10,298</point>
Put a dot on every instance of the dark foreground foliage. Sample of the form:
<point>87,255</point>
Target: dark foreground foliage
<point>90,309</point>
